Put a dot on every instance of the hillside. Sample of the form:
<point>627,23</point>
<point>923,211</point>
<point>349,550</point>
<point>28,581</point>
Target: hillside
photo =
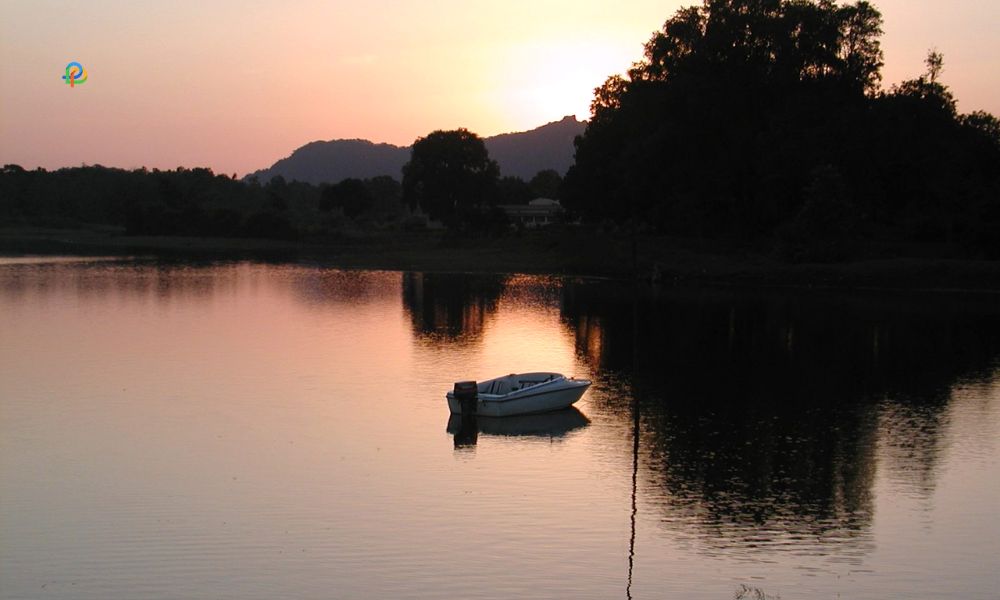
<point>526,153</point>
<point>335,160</point>
<point>521,154</point>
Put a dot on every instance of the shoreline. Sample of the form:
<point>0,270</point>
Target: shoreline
<point>573,253</point>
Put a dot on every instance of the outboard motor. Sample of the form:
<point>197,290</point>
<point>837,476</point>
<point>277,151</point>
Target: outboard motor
<point>468,431</point>
<point>467,394</point>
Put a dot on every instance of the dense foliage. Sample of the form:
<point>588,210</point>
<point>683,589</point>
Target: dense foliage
<point>450,176</point>
<point>194,202</point>
<point>198,202</point>
<point>514,190</point>
<point>757,118</point>
<point>350,195</point>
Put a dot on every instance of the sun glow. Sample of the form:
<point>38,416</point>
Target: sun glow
<point>242,86</point>
<point>545,81</point>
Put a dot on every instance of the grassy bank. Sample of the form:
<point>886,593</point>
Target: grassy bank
<point>571,251</point>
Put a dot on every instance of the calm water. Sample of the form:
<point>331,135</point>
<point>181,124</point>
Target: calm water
<point>242,430</point>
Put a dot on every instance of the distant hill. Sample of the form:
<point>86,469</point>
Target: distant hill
<point>526,153</point>
<point>336,160</point>
<point>520,154</point>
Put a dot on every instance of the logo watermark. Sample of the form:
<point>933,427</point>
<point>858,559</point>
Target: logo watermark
<point>75,74</point>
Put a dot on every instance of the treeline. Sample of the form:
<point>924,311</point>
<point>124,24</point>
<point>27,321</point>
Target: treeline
<point>198,202</point>
<point>192,202</point>
<point>766,119</point>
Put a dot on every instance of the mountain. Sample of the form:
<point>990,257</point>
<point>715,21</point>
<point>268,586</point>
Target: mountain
<point>521,154</point>
<point>335,160</point>
<point>547,147</point>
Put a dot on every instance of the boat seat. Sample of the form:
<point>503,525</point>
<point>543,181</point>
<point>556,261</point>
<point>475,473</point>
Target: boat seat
<point>499,388</point>
<point>502,387</point>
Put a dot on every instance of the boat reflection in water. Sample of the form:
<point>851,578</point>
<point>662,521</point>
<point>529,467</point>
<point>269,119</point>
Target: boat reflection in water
<point>466,428</point>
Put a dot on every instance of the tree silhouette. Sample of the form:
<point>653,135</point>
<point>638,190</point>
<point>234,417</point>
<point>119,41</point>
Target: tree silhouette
<point>450,176</point>
<point>350,195</point>
<point>513,190</point>
<point>720,129</point>
<point>546,184</point>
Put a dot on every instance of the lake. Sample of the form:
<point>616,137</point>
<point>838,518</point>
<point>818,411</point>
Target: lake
<point>252,430</point>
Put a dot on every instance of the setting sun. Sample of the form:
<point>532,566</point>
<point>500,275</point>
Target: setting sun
<point>561,78</point>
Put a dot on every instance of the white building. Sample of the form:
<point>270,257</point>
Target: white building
<point>537,213</point>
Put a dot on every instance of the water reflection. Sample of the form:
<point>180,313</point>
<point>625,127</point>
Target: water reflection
<point>553,426</point>
<point>167,282</point>
<point>769,411</point>
<point>762,415</point>
<point>333,287</point>
<point>281,425</point>
<point>95,280</point>
<point>451,307</point>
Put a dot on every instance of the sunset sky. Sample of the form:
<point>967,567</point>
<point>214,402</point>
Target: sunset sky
<point>235,85</point>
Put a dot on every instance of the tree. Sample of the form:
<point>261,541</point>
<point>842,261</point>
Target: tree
<point>513,190</point>
<point>860,50</point>
<point>546,184</point>
<point>386,195</point>
<point>350,195</point>
<point>715,131</point>
<point>827,219</point>
<point>935,65</point>
<point>450,176</point>
<point>927,90</point>
<point>984,124</point>
<point>761,118</point>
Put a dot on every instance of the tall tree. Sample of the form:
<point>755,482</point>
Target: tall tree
<point>741,113</point>
<point>696,137</point>
<point>450,176</point>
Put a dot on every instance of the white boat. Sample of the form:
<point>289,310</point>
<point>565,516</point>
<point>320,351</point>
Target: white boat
<point>517,394</point>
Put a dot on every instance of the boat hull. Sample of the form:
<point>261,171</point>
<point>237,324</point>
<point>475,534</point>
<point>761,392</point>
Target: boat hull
<point>530,402</point>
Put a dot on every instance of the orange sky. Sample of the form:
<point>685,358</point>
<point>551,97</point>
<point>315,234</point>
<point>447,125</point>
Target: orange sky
<point>235,85</point>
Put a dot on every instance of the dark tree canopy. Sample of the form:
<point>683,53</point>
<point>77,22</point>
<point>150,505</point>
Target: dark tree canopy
<point>350,195</point>
<point>546,184</point>
<point>386,194</point>
<point>189,202</point>
<point>720,129</point>
<point>513,190</point>
<point>450,175</point>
